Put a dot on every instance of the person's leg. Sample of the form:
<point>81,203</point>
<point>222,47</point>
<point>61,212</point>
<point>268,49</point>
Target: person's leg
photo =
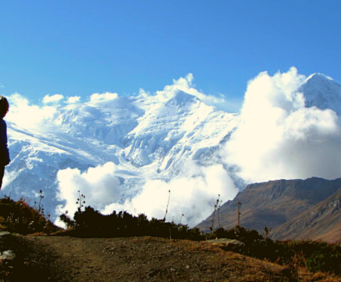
<point>2,172</point>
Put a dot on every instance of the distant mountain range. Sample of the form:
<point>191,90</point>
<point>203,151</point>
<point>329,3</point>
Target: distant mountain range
<point>153,137</point>
<point>293,209</point>
<point>145,136</point>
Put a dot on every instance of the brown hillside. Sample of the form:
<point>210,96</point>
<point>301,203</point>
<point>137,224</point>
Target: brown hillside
<point>273,203</point>
<point>320,221</point>
<point>61,258</point>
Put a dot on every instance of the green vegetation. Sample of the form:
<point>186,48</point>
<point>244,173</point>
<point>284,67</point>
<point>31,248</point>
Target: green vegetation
<point>315,256</point>
<point>91,223</point>
<point>318,255</point>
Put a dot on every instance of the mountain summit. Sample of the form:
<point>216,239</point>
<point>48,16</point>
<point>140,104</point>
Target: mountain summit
<point>171,137</point>
<point>145,137</point>
<point>322,92</point>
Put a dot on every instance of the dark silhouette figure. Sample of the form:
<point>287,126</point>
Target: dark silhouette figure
<point>4,153</point>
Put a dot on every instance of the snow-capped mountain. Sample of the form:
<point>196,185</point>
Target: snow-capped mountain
<point>146,137</point>
<point>323,92</point>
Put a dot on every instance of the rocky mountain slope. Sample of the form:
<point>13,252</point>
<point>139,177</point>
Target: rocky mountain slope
<point>321,221</point>
<point>292,208</point>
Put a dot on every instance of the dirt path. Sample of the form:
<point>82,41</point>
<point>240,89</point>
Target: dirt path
<point>52,258</point>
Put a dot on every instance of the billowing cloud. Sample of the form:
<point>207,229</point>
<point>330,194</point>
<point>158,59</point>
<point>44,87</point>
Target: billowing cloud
<point>102,97</point>
<point>99,185</point>
<point>279,138</point>
<point>73,100</point>
<point>53,98</point>
<point>22,113</point>
<point>192,195</point>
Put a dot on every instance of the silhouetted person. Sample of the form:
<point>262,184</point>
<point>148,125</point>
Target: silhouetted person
<point>4,154</point>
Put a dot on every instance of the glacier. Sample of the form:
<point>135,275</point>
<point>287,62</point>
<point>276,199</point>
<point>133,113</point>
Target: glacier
<point>146,138</point>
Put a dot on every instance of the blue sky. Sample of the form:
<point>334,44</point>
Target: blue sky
<point>81,47</point>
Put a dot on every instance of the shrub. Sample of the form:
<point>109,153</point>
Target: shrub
<point>324,261</point>
<point>19,217</point>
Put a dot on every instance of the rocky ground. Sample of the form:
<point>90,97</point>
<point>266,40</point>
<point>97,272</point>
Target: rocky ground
<point>63,258</point>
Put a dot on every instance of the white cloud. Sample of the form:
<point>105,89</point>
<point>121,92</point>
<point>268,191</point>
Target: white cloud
<point>143,93</point>
<point>52,99</point>
<point>99,185</point>
<point>102,97</point>
<point>279,138</point>
<point>73,100</point>
<point>193,195</point>
<point>26,115</point>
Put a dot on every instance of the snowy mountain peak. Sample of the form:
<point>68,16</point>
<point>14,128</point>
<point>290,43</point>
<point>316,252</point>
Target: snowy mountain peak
<point>322,92</point>
<point>119,148</point>
<point>182,98</point>
<point>130,140</point>
<point>318,77</point>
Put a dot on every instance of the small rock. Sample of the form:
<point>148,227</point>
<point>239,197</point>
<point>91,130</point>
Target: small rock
<point>4,234</point>
<point>187,267</point>
<point>228,244</point>
<point>7,255</point>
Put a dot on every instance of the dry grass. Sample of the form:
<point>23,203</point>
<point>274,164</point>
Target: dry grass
<point>147,259</point>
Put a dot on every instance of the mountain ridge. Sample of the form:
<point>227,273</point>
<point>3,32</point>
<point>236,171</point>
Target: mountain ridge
<point>284,206</point>
<point>321,221</point>
<point>146,137</point>
<point>321,91</point>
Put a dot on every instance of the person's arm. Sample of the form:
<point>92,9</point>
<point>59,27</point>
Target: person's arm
<point>3,143</point>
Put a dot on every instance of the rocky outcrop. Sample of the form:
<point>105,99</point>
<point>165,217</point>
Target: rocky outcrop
<point>228,244</point>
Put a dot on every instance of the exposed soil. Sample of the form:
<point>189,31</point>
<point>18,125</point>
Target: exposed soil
<point>62,258</point>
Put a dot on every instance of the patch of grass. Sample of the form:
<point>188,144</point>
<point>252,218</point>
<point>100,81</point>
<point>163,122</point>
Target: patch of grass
<point>19,217</point>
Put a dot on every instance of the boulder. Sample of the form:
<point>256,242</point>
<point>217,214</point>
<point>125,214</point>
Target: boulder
<point>228,244</point>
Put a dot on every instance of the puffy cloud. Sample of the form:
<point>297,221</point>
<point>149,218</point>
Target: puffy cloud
<point>22,113</point>
<point>193,195</point>
<point>73,100</point>
<point>52,99</point>
<point>279,138</point>
<point>102,97</point>
<point>99,185</point>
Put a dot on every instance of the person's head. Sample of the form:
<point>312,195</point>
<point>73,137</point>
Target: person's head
<point>4,106</point>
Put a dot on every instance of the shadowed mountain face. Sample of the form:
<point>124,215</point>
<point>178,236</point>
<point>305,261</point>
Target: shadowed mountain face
<point>320,221</point>
<point>274,204</point>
